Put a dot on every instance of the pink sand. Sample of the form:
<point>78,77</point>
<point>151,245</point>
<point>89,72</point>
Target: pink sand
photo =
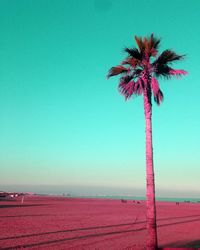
<point>74,223</point>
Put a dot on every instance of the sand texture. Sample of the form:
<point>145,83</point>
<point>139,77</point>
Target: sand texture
<point>94,224</point>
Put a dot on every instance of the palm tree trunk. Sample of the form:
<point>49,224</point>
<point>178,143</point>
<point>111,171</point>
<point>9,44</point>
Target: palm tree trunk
<point>150,184</point>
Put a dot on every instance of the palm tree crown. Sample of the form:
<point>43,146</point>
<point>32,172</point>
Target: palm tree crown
<point>142,66</point>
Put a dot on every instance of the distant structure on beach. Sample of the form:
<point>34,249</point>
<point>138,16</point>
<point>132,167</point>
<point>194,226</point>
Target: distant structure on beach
<point>9,195</point>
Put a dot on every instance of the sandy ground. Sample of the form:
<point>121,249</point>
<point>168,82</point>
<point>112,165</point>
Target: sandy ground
<point>94,224</point>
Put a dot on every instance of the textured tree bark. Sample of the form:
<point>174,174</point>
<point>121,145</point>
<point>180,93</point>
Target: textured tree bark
<point>150,184</point>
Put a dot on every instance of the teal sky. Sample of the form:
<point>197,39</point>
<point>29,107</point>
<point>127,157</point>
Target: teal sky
<point>63,123</point>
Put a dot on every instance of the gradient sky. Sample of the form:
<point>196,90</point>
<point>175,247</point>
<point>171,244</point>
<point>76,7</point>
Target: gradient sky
<point>63,123</point>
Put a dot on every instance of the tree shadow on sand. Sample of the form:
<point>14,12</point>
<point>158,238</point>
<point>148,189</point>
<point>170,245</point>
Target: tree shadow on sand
<point>25,215</point>
<point>101,234</point>
<point>22,205</point>
<point>105,227</point>
<point>186,245</point>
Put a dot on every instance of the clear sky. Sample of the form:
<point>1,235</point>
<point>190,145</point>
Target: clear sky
<point>63,123</point>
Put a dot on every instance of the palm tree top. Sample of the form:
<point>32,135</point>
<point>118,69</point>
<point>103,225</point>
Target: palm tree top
<point>143,65</point>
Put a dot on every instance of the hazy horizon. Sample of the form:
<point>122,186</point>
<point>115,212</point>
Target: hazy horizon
<point>95,191</point>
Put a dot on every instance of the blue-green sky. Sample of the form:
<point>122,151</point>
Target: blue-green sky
<point>63,123</point>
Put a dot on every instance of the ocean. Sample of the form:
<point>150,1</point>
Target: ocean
<point>97,192</point>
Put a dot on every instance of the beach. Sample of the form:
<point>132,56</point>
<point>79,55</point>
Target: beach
<point>49,222</point>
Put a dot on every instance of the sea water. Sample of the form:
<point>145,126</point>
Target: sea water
<point>85,192</point>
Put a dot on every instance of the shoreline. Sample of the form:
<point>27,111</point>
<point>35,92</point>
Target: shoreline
<point>126,197</point>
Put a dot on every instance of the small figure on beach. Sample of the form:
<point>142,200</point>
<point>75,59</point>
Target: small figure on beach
<point>177,203</point>
<point>123,201</point>
<point>137,202</point>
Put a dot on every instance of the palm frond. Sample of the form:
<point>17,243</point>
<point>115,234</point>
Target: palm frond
<point>126,78</point>
<point>168,56</point>
<point>140,43</point>
<point>148,44</point>
<point>126,89</point>
<point>178,72</point>
<point>162,70</point>
<point>154,42</point>
<point>116,71</point>
<point>133,53</point>
<point>137,72</point>
<point>159,97</point>
<point>139,86</point>
<point>157,93</point>
<point>153,45</point>
<point>131,61</point>
<point>168,72</point>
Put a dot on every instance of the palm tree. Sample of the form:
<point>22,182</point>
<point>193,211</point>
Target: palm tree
<point>138,72</point>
